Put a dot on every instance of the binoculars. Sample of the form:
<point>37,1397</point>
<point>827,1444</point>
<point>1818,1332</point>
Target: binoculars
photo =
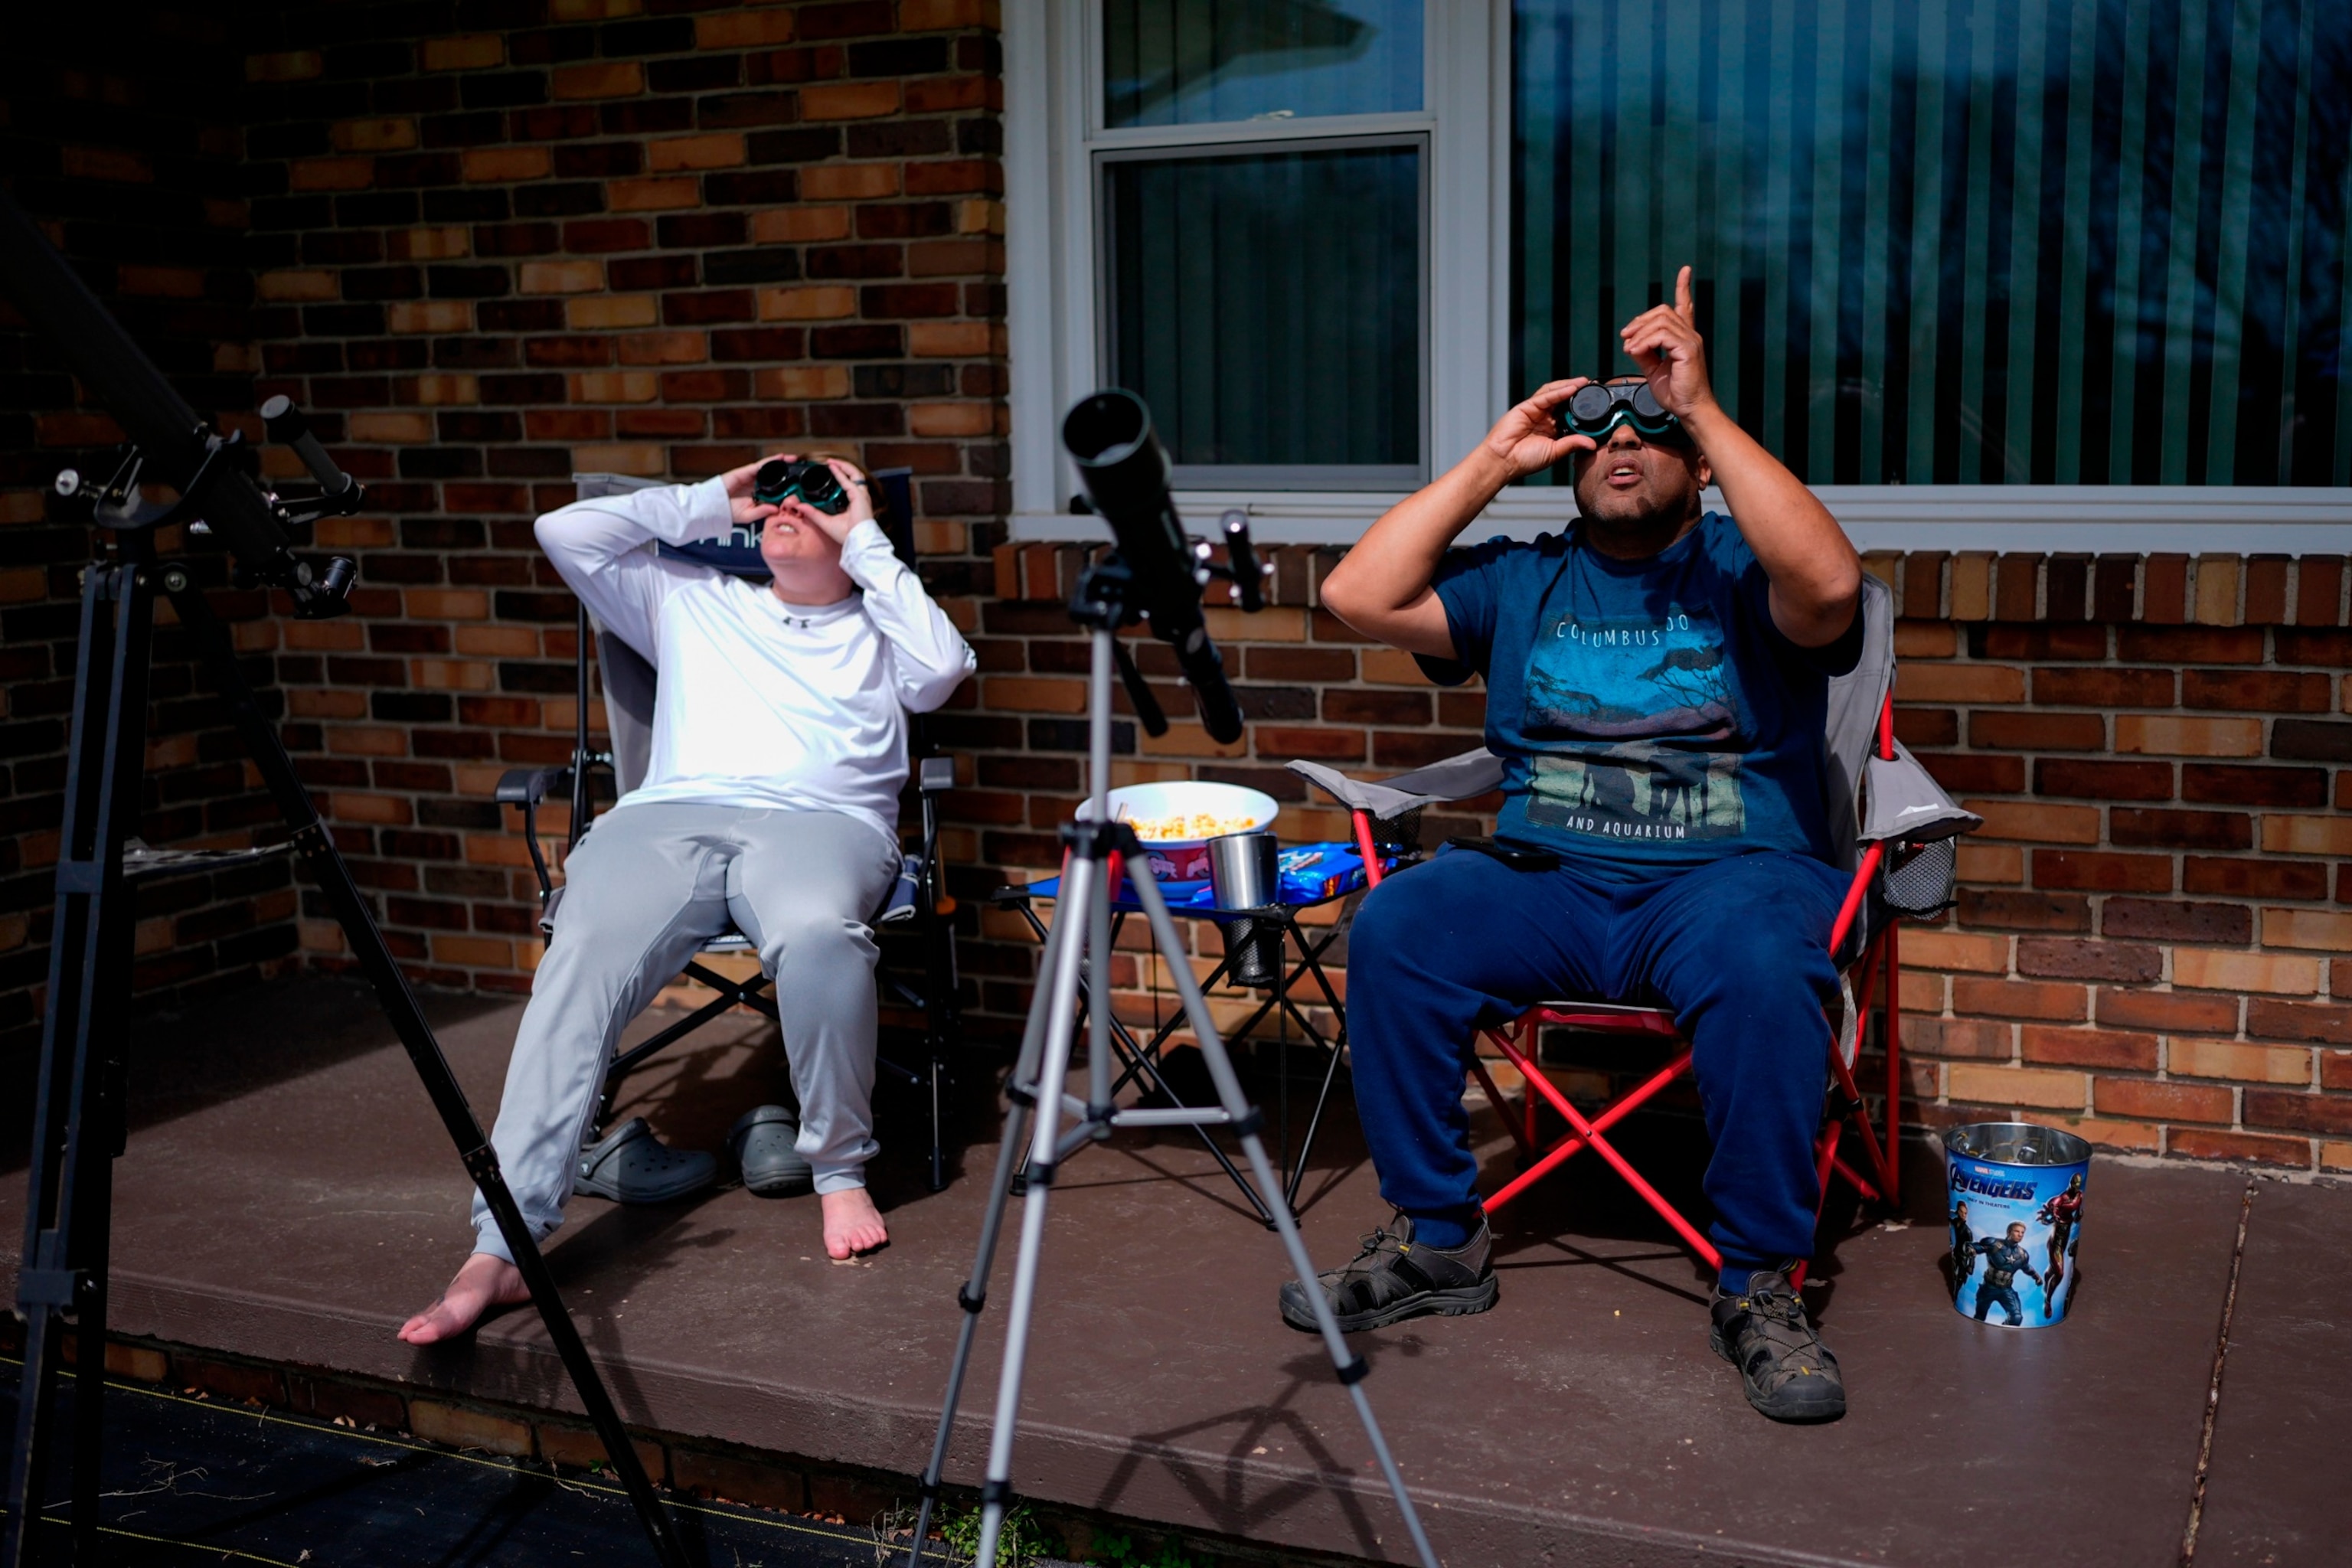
<point>784,479</point>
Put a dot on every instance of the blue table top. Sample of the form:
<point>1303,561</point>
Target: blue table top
<point>1311,874</point>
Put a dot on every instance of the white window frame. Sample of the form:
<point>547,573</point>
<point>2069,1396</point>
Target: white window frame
<point>1053,93</point>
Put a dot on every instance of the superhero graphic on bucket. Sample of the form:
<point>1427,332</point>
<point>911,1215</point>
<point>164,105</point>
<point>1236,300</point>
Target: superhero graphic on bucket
<point>2060,1213</point>
<point>1964,1245</point>
<point>2015,1221</point>
<point>2005,1259</point>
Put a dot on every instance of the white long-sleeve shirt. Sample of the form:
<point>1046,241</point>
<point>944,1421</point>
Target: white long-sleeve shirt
<point>760,703</point>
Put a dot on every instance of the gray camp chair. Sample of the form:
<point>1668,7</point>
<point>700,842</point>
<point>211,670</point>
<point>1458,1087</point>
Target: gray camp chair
<point>916,909</point>
<point>1899,844</point>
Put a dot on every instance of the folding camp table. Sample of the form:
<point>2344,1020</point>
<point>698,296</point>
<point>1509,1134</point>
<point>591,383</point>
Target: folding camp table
<point>1303,952</point>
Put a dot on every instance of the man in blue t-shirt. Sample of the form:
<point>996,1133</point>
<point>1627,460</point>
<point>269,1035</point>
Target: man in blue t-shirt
<point>1656,686</point>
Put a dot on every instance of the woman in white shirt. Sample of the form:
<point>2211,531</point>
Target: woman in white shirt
<point>770,804</point>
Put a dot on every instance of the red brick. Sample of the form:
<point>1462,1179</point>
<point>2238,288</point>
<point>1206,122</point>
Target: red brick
<point>1965,1038</point>
<point>2200,1144</point>
<point>230,1379</point>
<point>2168,1012</point>
<point>2026,731</point>
<point>2333,649</point>
<point>2167,920</point>
<point>2323,1024</point>
<point>2054,958</point>
<point>2190,644</point>
<point>2262,690</point>
<point>2141,828</point>
<point>2297,1110</point>
<point>2226,783</point>
<point>2098,871</point>
<point>2032,643</point>
<point>2103,780</point>
<point>2017,910</point>
<point>1974,995</point>
<point>2255,879</point>
<point>2103,687</point>
<point>2155,1101</point>
<point>2090,1047</point>
<point>1979,773</point>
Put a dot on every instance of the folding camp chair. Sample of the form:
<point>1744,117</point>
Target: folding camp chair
<point>917,904</point>
<point>1900,849</point>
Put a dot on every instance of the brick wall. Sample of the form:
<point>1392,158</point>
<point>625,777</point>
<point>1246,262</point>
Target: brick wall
<point>115,134</point>
<point>2153,945</point>
<point>495,245</point>
<point>487,244</point>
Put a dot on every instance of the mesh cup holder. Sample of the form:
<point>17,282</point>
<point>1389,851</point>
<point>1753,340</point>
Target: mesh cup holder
<point>1255,948</point>
<point>1398,835</point>
<point>1923,881</point>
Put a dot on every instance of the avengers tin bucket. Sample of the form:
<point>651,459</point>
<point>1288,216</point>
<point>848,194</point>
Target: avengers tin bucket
<point>2016,1217</point>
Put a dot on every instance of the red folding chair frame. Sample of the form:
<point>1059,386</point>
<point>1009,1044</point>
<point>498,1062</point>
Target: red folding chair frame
<point>1518,1042</point>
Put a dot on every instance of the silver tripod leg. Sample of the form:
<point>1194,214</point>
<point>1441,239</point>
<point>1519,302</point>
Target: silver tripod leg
<point>1234,1109</point>
<point>972,1295</point>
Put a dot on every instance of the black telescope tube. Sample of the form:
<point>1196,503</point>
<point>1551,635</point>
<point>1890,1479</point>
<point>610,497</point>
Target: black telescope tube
<point>1125,470</point>
<point>127,385</point>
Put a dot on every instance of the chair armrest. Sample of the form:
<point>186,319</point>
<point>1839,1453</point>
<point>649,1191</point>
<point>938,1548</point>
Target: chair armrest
<point>527,787</point>
<point>1456,778</point>
<point>935,776</point>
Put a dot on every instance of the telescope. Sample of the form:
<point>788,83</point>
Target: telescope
<point>1125,471</point>
<point>170,443</point>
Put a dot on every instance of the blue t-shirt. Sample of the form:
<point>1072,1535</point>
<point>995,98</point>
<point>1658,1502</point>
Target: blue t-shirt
<point>1650,716</point>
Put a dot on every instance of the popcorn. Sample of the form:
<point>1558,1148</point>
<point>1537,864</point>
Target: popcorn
<point>1185,826</point>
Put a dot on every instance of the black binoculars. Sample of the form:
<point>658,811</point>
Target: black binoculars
<point>783,479</point>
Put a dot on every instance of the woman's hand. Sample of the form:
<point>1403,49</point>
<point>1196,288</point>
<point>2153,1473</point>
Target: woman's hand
<point>1526,441</point>
<point>747,512</point>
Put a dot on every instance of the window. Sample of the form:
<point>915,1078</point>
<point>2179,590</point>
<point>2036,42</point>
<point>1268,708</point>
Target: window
<point>1265,218</point>
<point>2051,242</point>
<point>1989,274</point>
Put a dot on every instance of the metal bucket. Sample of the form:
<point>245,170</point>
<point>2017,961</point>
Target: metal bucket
<point>2016,1216</point>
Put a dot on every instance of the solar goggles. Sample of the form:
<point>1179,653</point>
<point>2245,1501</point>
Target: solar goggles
<point>1598,408</point>
<point>781,480</point>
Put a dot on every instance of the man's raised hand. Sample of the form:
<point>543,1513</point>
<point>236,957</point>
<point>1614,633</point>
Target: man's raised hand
<point>1527,440</point>
<point>1664,342</point>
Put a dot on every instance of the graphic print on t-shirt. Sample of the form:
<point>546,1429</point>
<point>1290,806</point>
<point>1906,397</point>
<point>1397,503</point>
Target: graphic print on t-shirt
<point>1626,716</point>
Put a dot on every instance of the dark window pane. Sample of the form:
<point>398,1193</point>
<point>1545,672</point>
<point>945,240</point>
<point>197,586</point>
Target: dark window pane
<point>1189,62</point>
<point>1975,242</point>
<point>1267,306</point>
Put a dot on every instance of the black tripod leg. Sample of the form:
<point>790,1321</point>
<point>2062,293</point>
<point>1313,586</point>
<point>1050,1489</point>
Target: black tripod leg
<point>408,1020</point>
<point>74,1135</point>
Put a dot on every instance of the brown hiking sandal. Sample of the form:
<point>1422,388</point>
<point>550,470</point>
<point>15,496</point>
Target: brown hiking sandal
<point>1787,1374</point>
<point>1392,1280</point>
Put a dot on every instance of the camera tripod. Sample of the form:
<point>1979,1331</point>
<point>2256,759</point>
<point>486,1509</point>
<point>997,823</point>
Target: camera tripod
<point>1095,849</point>
<point>81,1125</point>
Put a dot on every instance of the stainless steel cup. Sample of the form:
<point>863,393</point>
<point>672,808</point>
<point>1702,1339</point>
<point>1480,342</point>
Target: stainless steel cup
<point>1246,873</point>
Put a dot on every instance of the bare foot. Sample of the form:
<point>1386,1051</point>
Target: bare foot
<point>852,1223</point>
<point>483,1282</point>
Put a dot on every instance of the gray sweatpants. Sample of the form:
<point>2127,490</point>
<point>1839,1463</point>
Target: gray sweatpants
<point>642,894</point>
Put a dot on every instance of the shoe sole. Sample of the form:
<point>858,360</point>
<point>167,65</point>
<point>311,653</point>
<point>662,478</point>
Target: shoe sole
<point>1795,1413</point>
<point>1461,1301</point>
<point>790,1186</point>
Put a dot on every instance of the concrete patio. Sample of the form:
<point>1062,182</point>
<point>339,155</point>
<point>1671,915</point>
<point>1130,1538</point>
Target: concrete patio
<point>287,1196</point>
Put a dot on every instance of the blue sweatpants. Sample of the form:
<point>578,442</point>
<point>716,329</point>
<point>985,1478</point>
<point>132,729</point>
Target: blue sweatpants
<point>1737,950</point>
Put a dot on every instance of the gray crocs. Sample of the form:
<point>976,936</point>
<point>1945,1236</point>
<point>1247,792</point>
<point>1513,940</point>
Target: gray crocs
<point>631,1166</point>
<point>762,1141</point>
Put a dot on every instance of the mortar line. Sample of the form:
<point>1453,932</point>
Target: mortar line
<point>2213,1387</point>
